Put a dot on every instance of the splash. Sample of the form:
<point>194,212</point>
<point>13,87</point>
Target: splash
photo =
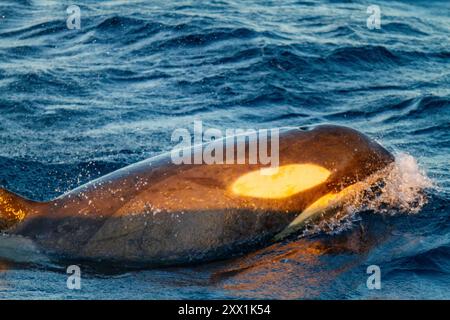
<point>403,188</point>
<point>397,189</point>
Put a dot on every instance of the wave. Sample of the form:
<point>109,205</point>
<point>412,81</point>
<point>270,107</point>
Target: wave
<point>363,56</point>
<point>419,107</point>
<point>403,28</point>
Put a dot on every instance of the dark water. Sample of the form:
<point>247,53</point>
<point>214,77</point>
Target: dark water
<point>77,104</point>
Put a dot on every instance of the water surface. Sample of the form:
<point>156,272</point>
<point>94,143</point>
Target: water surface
<point>77,104</point>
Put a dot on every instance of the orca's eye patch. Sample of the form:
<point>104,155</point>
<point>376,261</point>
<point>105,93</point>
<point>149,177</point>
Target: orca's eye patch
<point>280,182</point>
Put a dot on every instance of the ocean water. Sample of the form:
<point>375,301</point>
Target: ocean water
<point>77,104</point>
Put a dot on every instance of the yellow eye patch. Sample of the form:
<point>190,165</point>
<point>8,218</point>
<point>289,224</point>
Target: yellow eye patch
<point>281,182</point>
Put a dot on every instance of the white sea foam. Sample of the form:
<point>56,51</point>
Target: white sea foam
<point>403,189</point>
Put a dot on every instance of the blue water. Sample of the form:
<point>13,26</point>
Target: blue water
<point>77,104</point>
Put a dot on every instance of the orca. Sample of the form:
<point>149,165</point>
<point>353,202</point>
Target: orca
<point>156,212</point>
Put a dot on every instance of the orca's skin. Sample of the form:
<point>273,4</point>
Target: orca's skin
<point>158,213</point>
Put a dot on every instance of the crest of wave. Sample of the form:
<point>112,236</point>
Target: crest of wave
<point>397,189</point>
